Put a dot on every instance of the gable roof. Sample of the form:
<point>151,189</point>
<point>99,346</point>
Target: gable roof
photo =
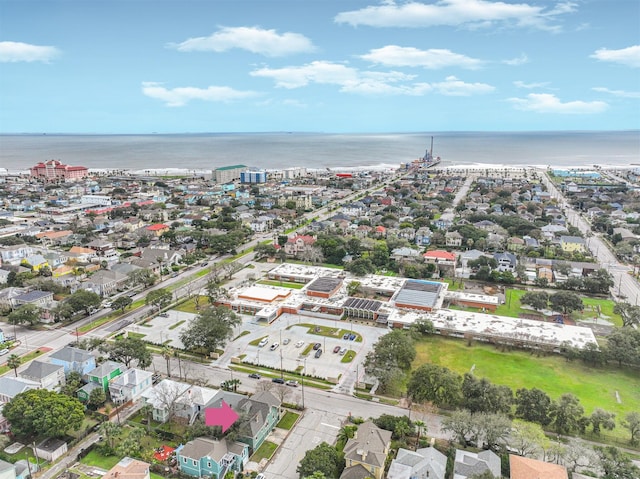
<point>369,445</point>
<point>526,468</point>
<point>39,369</point>
<point>70,354</point>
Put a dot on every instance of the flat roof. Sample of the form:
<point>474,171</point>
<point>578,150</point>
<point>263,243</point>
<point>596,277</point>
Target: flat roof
<point>360,303</point>
<point>264,293</point>
<point>419,293</point>
<point>324,284</point>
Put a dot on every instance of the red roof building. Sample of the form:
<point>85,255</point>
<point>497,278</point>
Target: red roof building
<point>54,170</point>
<point>439,256</point>
<point>158,228</point>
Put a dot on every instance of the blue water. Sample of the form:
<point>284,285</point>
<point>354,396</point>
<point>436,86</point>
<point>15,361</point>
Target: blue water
<point>283,150</point>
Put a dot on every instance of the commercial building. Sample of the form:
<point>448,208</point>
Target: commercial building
<point>253,176</point>
<point>54,170</point>
<point>227,174</point>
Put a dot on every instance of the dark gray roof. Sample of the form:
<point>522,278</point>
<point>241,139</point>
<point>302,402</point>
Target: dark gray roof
<point>38,370</point>
<point>360,303</point>
<point>51,444</point>
<point>33,296</point>
<point>70,354</point>
<point>324,284</point>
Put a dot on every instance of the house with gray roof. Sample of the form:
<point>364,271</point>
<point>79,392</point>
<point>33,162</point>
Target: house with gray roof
<point>105,372</point>
<point>36,297</point>
<point>48,376</point>
<point>7,470</point>
<point>74,359</point>
<point>207,457</point>
<point>425,463</point>
<point>130,385</point>
<point>469,464</point>
<point>10,387</point>
<point>368,448</point>
<point>263,413</point>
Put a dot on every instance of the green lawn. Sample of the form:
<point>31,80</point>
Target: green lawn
<point>25,359</point>
<point>284,284</point>
<point>348,356</point>
<point>595,387</point>
<point>174,326</point>
<point>189,306</point>
<point>288,420</point>
<point>328,331</point>
<point>265,451</point>
<point>94,458</point>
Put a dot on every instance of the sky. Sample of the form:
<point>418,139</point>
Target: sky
<point>336,66</point>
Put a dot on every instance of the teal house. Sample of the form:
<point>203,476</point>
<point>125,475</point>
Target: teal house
<point>105,372</point>
<point>263,413</point>
<point>206,457</point>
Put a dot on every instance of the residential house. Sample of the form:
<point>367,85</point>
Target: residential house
<point>515,244</point>
<point>425,463</point>
<point>10,387</point>
<point>368,448</point>
<point>298,244</point>
<point>36,298</point>
<point>51,449</point>
<point>105,372</point>
<point>157,229</point>
<point>166,257</point>
<point>130,385</point>
<point>439,257</point>
<point>506,262</point>
<point>129,468</point>
<point>36,262</point>
<point>48,376</point>
<point>162,398</point>
<point>7,470</point>
<point>82,254</point>
<point>405,254</point>
<point>15,253</point>
<point>84,393</point>
<point>527,468</point>
<point>105,282</point>
<point>423,236</point>
<point>263,413</point>
<point>207,457</point>
<point>453,239</point>
<point>7,296</point>
<point>74,359</point>
<point>468,464</point>
<point>573,244</point>
<point>190,405</point>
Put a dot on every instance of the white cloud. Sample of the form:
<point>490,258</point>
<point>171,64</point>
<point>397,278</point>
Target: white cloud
<point>548,103</point>
<point>469,13</point>
<point>24,52</point>
<point>315,72</point>
<point>618,93</point>
<point>521,60</point>
<point>182,95</point>
<point>452,86</point>
<point>254,39</point>
<point>521,84</point>
<point>396,56</point>
<point>629,56</point>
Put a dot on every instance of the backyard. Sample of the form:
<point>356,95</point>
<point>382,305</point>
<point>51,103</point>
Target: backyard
<point>595,387</point>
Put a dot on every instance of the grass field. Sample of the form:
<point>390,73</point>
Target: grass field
<point>288,420</point>
<point>595,387</point>
<point>513,308</point>
<point>189,306</point>
<point>284,284</point>
<point>265,451</point>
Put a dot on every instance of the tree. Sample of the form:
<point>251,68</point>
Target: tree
<point>421,428</point>
<point>83,300</point>
<point>538,300</point>
<point>127,349</point>
<point>110,430</point>
<point>423,327</point>
<point>25,314</point>
<point>623,346</point>
<point>494,428</point>
<point>436,384</point>
<point>214,291</point>
<point>167,353</point>
<point>632,423</point>
<point>97,397</point>
<point>602,419</point>
<point>158,298</point>
<point>527,437</point>
<point>389,358</point>
<point>43,412</point>
<point>73,382</point>
<point>460,423</point>
<point>566,413</point>
<point>566,301</point>
<point>533,405</point>
<point>141,276</point>
<point>400,426</point>
<point>210,330</point>
<point>131,446</point>
<point>14,362</point>
<point>630,314</point>
<point>323,458</point>
<point>122,303</point>
<point>481,395</point>
<point>616,464</point>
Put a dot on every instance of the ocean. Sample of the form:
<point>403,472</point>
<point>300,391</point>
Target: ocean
<point>206,151</point>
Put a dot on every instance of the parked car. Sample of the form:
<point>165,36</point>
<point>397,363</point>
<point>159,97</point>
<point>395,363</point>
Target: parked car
<point>299,344</point>
<point>286,341</point>
<point>277,380</point>
<point>318,353</point>
<point>336,349</point>
<point>274,346</point>
<point>352,337</point>
<point>263,342</point>
<point>4,351</point>
<point>255,376</point>
<point>345,336</point>
<point>342,351</point>
<point>316,346</point>
<point>204,263</point>
<point>261,476</point>
<point>292,383</point>
<point>164,315</point>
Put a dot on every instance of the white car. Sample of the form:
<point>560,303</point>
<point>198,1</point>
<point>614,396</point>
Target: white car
<point>299,344</point>
<point>275,346</point>
<point>263,343</point>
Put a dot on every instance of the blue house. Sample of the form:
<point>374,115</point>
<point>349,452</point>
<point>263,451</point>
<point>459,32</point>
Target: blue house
<point>263,413</point>
<point>74,359</point>
<point>209,457</point>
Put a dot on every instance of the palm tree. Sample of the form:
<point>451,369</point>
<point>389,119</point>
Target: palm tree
<point>14,362</point>
<point>147,410</point>
<point>167,352</point>
<point>420,426</point>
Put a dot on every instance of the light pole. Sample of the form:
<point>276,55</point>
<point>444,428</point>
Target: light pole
<point>304,367</point>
